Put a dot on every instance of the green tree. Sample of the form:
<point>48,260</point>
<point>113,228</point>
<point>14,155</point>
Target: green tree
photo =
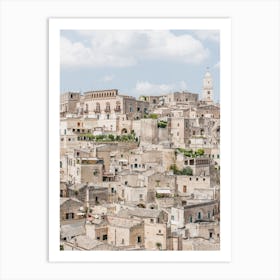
<point>200,152</point>
<point>111,137</point>
<point>187,171</point>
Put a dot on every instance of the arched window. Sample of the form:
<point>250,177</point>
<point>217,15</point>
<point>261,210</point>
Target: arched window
<point>199,215</point>
<point>97,108</point>
<point>118,106</point>
<point>107,107</point>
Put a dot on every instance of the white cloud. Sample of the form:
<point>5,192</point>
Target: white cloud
<point>211,35</point>
<point>126,48</point>
<point>147,88</point>
<point>217,65</point>
<point>108,78</point>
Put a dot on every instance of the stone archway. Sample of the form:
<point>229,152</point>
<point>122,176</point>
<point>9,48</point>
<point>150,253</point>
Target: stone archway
<point>124,131</point>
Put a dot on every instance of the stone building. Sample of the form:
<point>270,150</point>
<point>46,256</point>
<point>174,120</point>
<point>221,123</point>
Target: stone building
<point>125,232</point>
<point>68,103</point>
<point>133,171</point>
<point>70,208</point>
<point>91,195</point>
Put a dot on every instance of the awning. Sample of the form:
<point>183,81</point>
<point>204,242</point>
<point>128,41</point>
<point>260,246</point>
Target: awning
<point>163,191</point>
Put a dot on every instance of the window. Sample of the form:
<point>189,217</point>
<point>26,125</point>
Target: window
<point>108,116</point>
<point>151,220</point>
<point>97,108</point>
<point>69,216</point>
<point>199,215</point>
<point>118,106</point>
<point>138,239</point>
<point>125,183</point>
<point>61,164</point>
<point>130,109</point>
<point>190,178</point>
<point>196,179</point>
<point>210,234</point>
<point>159,231</point>
<point>190,219</point>
<point>135,165</point>
<point>172,218</point>
<point>208,214</point>
<point>107,107</point>
<point>140,196</point>
<point>98,237</point>
<point>178,124</point>
<point>184,189</point>
<point>104,237</point>
<point>122,241</point>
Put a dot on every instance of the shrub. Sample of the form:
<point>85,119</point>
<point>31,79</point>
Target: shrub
<point>187,171</point>
<point>111,137</point>
<point>162,124</point>
<point>153,116</point>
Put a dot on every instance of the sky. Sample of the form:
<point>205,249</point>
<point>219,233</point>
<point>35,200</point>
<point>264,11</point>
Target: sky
<point>139,62</point>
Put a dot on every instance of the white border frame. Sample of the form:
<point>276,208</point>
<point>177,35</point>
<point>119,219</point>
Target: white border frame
<point>221,24</point>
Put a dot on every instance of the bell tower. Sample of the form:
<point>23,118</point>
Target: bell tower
<point>207,94</point>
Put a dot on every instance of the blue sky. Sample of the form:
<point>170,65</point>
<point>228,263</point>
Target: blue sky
<point>142,62</point>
